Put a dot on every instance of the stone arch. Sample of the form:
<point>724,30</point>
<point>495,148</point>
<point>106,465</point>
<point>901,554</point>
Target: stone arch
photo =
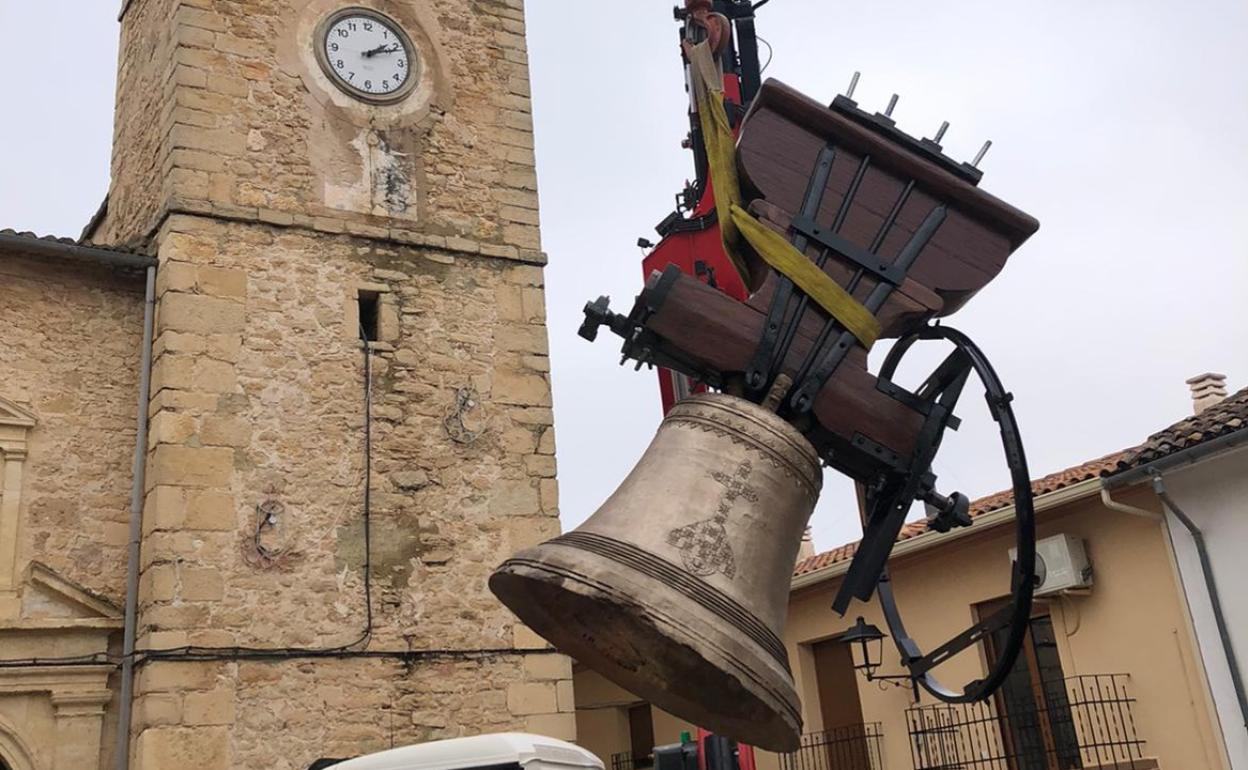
<point>14,754</point>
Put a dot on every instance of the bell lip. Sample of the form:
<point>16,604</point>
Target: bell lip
<point>784,430</point>
<point>518,580</point>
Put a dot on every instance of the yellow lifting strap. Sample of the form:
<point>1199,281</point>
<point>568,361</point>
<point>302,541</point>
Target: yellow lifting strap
<point>807,276</point>
<point>721,151</point>
<point>735,221</point>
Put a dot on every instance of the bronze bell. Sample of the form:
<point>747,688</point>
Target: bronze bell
<point>676,589</point>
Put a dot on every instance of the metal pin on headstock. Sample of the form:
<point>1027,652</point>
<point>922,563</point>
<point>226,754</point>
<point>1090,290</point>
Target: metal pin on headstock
<point>892,102</point>
<point>853,85</point>
<point>940,133</point>
<point>980,155</point>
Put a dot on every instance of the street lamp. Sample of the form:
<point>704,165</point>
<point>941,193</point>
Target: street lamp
<point>869,641</point>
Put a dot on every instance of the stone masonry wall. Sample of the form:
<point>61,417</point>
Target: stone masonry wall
<point>274,203</point>
<point>69,353</point>
<point>250,128</point>
<point>147,76</point>
<point>258,402</point>
<point>284,716</point>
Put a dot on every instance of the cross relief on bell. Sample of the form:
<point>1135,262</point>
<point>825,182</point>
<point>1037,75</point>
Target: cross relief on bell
<point>704,546</point>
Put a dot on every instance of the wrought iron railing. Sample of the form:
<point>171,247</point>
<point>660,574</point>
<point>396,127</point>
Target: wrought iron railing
<point>626,761</point>
<point>1076,722</point>
<point>852,747</point>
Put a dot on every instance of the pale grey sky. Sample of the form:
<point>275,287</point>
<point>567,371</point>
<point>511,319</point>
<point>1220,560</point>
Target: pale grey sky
<point>1119,124</point>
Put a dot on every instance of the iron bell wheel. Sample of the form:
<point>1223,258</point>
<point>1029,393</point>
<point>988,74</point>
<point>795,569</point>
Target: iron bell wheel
<point>1014,617</point>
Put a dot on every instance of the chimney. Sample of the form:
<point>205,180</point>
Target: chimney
<point>807,548</point>
<point>1207,389</point>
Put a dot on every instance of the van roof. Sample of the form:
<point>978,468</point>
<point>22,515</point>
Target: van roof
<point>478,751</point>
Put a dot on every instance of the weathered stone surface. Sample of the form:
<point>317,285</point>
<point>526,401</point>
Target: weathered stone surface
<point>183,748</point>
<point>69,354</point>
<point>246,184</point>
<point>525,698</point>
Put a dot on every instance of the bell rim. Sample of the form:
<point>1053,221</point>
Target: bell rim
<point>776,695</point>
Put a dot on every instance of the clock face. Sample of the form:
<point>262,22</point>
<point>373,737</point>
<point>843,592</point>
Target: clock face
<point>367,55</point>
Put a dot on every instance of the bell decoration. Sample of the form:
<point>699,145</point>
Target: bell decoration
<point>676,589</point>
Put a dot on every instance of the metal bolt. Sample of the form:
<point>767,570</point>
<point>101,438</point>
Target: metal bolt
<point>853,84</point>
<point>980,155</point>
<point>892,102</point>
<point>940,134</point>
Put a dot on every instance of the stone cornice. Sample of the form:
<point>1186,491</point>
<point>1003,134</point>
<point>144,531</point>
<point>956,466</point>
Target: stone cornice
<point>326,225</point>
<point>86,678</point>
<point>44,576</point>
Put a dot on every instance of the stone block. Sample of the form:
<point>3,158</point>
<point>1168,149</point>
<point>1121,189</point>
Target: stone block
<point>522,236</point>
<point>171,676</point>
<point>170,428</point>
<point>224,347</point>
<point>522,338</point>
<point>525,638</point>
<point>198,403</point>
<point>175,616</point>
<point>524,698</point>
<point>410,480</point>
<point>173,372</point>
<point>521,388</point>
<point>520,215</point>
<point>157,709</point>
<point>225,141</point>
<point>509,300</point>
<point>187,16</point>
<point>213,376</point>
<point>533,415</point>
<point>158,583</point>
<point>183,466</point>
<point>179,342</point>
<point>547,444</point>
<point>549,489</point>
<point>536,363</point>
<point>524,532</point>
<point>184,748</point>
<point>211,510</point>
<point>565,695</point>
<point>175,276</point>
<point>200,584</point>
<point>534,305</point>
<point>225,431</point>
<point>200,314</point>
<point>514,498</point>
<point>221,281</point>
<point>518,440</point>
<point>540,465</point>
<point>164,508</point>
<point>215,707</point>
<point>561,726</point>
<point>550,666</point>
<point>163,640</point>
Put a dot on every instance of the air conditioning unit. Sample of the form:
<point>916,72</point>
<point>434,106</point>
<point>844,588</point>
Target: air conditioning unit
<point>1061,564</point>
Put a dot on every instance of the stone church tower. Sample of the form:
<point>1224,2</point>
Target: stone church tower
<point>320,513</point>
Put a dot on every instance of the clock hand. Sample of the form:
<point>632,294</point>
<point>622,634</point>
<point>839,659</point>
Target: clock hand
<point>382,49</point>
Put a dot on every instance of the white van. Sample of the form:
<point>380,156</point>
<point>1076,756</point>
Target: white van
<point>500,751</point>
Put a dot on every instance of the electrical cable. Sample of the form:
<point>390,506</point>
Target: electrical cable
<point>770,52</point>
<point>191,652</point>
<point>98,659</point>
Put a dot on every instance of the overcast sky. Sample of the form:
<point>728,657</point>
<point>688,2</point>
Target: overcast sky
<point>1120,125</point>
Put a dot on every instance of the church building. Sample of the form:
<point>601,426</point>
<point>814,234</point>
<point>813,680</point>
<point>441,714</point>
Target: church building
<point>267,426</point>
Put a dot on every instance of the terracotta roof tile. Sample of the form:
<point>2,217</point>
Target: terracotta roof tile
<point>1227,416</point>
<point>994,502</point>
<point>31,236</point>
